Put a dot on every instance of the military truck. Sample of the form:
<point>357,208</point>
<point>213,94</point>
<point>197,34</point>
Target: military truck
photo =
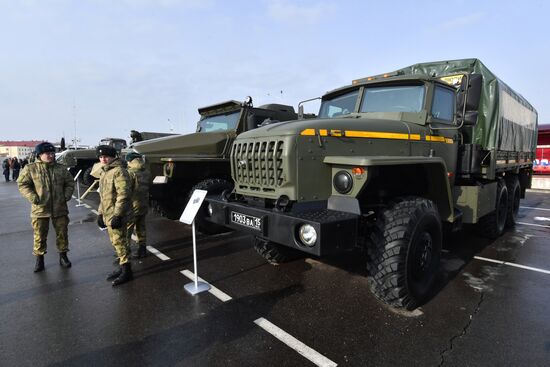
<point>180,164</point>
<point>84,159</point>
<point>389,161</point>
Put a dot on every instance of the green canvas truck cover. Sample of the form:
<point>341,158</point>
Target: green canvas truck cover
<point>506,121</point>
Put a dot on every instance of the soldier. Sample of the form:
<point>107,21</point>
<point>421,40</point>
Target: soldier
<point>48,186</point>
<point>114,208</point>
<point>140,201</point>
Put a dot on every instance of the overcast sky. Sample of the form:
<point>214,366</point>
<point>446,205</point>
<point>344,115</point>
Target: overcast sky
<point>110,66</point>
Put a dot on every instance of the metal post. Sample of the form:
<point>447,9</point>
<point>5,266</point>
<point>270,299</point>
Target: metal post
<point>196,287</point>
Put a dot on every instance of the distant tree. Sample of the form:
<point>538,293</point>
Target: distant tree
<point>63,147</point>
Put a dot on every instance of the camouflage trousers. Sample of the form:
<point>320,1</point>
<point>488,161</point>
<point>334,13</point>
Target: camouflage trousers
<point>120,242</point>
<point>41,227</point>
<point>137,223</point>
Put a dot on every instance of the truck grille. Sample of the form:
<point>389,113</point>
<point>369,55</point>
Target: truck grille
<point>258,165</point>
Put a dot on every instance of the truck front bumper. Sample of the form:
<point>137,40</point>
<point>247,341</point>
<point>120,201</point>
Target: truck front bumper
<point>336,230</point>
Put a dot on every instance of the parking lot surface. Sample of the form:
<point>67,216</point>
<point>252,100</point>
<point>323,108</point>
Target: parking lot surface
<point>490,306</point>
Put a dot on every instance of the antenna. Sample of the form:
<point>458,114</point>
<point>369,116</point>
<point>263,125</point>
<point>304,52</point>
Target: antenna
<point>75,139</point>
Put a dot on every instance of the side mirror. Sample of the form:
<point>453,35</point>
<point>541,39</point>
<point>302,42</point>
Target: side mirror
<point>300,112</point>
<point>471,88</point>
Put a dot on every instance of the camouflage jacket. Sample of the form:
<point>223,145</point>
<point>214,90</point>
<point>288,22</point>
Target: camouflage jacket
<point>48,187</point>
<point>115,191</point>
<point>140,186</point>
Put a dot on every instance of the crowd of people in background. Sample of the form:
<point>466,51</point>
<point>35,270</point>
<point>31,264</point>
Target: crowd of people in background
<point>12,166</point>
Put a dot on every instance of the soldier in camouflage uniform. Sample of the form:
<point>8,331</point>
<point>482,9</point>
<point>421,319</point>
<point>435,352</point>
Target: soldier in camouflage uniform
<point>48,186</point>
<point>140,201</point>
<point>115,191</point>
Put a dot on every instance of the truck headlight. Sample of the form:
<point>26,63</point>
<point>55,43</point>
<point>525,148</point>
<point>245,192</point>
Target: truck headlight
<point>307,234</point>
<point>342,182</point>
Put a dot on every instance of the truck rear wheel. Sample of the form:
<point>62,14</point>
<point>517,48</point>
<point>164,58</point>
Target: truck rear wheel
<point>213,186</point>
<point>514,196</point>
<point>274,253</point>
<point>493,224</point>
<point>404,248</point>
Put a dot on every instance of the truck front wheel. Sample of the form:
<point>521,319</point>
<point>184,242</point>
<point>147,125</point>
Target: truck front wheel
<point>274,253</point>
<point>404,248</point>
<point>213,186</point>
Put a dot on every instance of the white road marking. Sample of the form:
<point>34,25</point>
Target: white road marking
<point>157,253</point>
<point>277,332</point>
<point>531,224</point>
<point>95,212</point>
<point>222,296</point>
<point>512,264</point>
<point>292,342</point>
<point>533,208</point>
<point>74,197</point>
<point>134,237</point>
<point>87,206</point>
<point>542,219</point>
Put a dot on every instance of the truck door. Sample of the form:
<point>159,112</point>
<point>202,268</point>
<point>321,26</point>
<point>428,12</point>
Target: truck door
<point>443,134</point>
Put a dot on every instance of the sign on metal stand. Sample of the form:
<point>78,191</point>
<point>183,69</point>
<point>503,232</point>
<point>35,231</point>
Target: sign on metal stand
<point>78,188</point>
<point>188,217</point>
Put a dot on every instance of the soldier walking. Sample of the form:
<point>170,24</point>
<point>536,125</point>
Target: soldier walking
<point>48,186</point>
<point>114,208</point>
<point>140,177</point>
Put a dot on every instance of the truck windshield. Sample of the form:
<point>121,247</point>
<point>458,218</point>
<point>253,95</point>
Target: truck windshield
<point>117,144</point>
<point>401,98</point>
<point>341,105</point>
<point>223,122</point>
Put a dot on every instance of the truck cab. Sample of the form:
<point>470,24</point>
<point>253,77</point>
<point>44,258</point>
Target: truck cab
<point>200,160</point>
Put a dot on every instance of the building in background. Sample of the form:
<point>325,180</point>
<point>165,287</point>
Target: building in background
<point>20,149</point>
<point>542,163</point>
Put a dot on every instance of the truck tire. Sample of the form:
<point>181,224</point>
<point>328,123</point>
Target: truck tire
<point>213,186</point>
<point>87,178</point>
<point>514,197</point>
<point>274,253</point>
<point>493,224</point>
<point>404,249</point>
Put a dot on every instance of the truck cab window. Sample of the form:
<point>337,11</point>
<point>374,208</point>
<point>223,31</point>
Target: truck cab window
<point>341,105</point>
<point>443,106</point>
<point>400,98</point>
<point>219,122</point>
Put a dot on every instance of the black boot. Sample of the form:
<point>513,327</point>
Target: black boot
<point>126,275</point>
<point>141,252</point>
<point>39,266</point>
<point>114,274</point>
<point>64,260</point>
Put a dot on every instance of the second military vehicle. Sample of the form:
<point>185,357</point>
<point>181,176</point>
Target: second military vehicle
<point>84,159</point>
<point>390,159</point>
<point>180,164</point>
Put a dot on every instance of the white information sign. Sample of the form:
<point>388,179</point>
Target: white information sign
<point>160,180</point>
<point>193,206</point>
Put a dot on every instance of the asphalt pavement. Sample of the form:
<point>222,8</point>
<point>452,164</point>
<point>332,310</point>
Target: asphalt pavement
<point>490,306</point>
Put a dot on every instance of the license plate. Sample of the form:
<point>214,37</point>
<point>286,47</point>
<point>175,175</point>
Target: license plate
<point>247,220</point>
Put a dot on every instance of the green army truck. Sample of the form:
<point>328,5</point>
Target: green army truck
<point>84,159</point>
<point>182,163</point>
<point>389,161</point>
